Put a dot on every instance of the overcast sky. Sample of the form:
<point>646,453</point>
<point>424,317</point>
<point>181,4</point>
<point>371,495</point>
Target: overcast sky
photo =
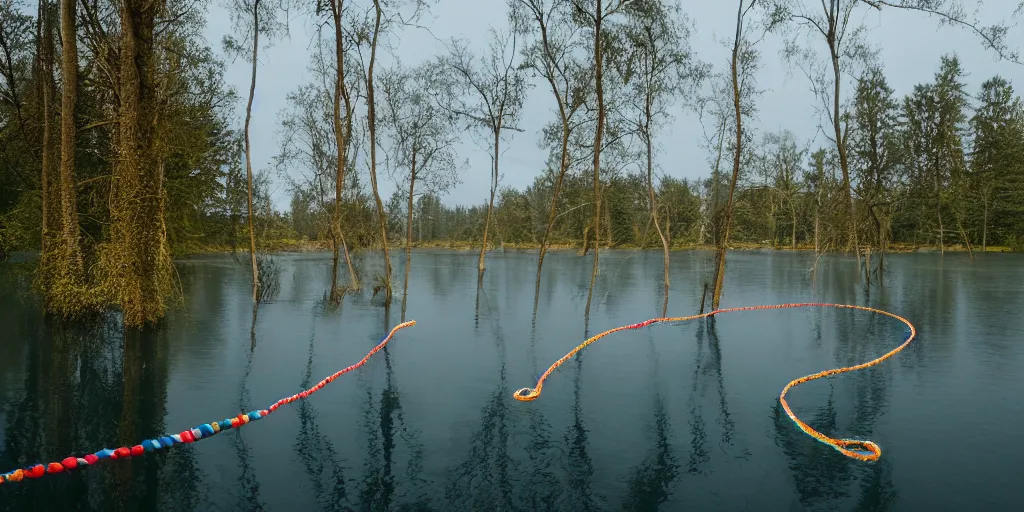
<point>911,44</point>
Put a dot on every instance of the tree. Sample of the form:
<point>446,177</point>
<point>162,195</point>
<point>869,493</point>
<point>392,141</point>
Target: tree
<point>933,137</point>
<point>743,63</point>
<point>874,144</point>
<point>781,163</point>
<point>593,14</point>
<point>997,158</point>
<point>342,97</point>
<point>135,262</point>
<point>252,18</point>
<point>489,96</point>
<point>422,139</point>
<point>48,184</point>
<point>831,21</point>
<point>655,63</point>
<point>70,274</point>
<point>552,55</point>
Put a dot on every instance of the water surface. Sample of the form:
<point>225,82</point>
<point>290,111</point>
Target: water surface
<point>671,417</point>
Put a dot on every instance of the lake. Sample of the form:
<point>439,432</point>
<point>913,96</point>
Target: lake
<point>668,417</point>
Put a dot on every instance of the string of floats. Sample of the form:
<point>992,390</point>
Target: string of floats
<point>204,431</point>
<point>855,448</point>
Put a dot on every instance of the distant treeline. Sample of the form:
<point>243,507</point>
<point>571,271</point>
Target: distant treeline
<point>940,166</point>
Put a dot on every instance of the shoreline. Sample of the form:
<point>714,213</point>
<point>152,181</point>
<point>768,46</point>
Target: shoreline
<point>304,246</point>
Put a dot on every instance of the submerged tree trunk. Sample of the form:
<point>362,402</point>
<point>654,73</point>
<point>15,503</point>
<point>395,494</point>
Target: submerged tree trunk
<point>408,227</point>
<point>552,213</point>
<point>598,134</point>
<point>371,119</point>
<point>342,134</point>
<point>716,294</point>
<point>844,162</point>
<point>248,152</point>
<point>490,202</point>
<point>135,263</point>
<point>49,192</point>
<point>72,270</point>
<point>654,205</point>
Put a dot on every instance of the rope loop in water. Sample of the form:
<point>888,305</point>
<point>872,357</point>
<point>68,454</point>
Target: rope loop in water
<point>187,436</point>
<point>854,448</point>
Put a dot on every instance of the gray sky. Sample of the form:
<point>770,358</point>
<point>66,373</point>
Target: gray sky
<point>910,43</point>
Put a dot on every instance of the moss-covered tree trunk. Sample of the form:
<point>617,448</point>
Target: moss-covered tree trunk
<point>135,264</point>
<point>69,269</point>
<point>49,190</point>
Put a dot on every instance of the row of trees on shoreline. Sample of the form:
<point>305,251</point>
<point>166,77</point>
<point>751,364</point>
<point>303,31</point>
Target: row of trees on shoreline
<point>149,166</point>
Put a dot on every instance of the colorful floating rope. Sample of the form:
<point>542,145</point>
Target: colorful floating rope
<point>855,448</point>
<point>188,436</point>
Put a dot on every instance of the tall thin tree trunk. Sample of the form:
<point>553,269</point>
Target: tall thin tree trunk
<point>248,152</point>
<point>716,196</point>
<point>552,213</point>
<point>71,254</point>
<point>844,162</point>
<point>967,240</point>
<point>984,226</point>
<point>47,181</point>
<point>716,294</point>
<point>653,202</point>
<point>342,133</point>
<point>598,134</point>
<point>408,225</point>
<point>938,212</point>
<point>792,211</point>
<point>490,202</point>
<point>371,119</point>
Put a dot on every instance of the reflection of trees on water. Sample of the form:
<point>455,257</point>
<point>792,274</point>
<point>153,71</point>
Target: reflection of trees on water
<point>249,486</point>
<point>650,482</point>
<point>378,490</point>
<point>707,365</point>
<point>316,451</point>
<point>79,377</point>
<point>821,476</point>
<point>481,482</point>
<point>580,467</point>
<point>542,481</point>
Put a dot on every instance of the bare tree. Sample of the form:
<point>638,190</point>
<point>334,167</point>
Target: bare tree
<point>422,140</point>
<point>552,55</point>
<point>657,67</point>
<point>593,14</point>
<point>781,162</point>
<point>831,21</point>
<point>342,124</point>
<point>385,16</point>
<point>489,96</point>
<point>251,18</point>
<point>742,65</point>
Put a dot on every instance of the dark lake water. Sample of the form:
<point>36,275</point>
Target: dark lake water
<point>671,417</point>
